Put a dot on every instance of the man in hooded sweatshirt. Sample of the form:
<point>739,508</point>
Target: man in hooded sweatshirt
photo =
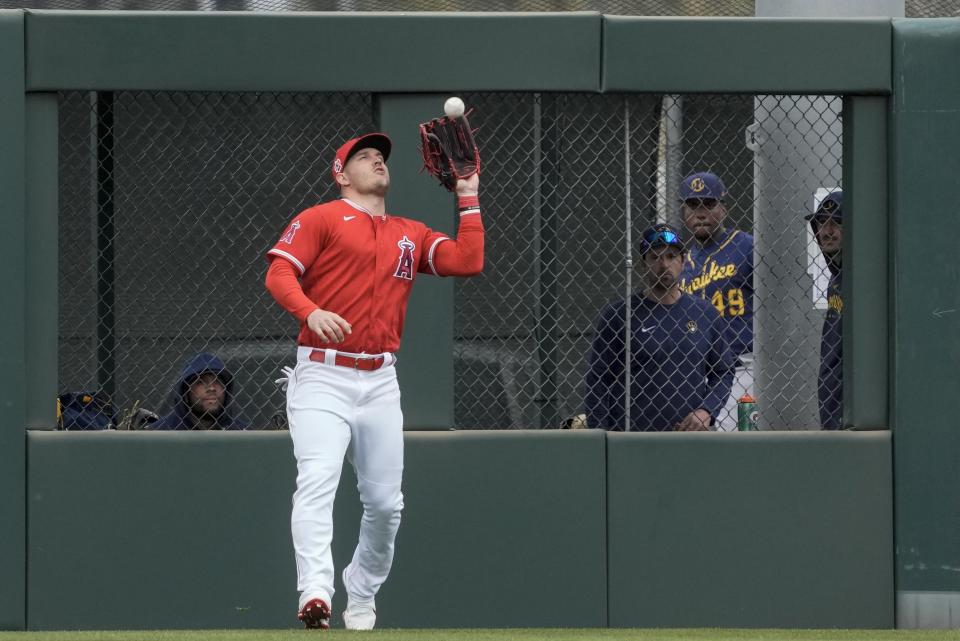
<point>202,398</point>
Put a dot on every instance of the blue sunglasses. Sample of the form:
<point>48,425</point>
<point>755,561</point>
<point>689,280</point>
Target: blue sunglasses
<point>654,237</point>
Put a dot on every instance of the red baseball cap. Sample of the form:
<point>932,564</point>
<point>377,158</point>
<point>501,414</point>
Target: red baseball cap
<point>376,140</point>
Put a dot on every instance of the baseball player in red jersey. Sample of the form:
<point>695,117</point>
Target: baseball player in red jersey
<point>345,269</point>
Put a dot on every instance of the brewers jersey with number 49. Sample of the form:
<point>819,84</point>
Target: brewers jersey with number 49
<point>722,273</point>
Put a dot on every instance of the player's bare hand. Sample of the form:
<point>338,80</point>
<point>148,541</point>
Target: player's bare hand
<point>695,421</point>
<point>469,186</point>
<point>328,326</point>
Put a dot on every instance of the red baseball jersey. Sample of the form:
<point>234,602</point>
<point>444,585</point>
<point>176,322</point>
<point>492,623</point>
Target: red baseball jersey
<point>330,247</point>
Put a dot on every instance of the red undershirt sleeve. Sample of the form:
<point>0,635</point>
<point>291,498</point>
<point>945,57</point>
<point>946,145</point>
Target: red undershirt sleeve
<point>284,286</point>
<point>463,256</point>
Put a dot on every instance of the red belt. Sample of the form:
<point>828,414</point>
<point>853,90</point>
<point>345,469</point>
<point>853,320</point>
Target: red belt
<point>365,363</point>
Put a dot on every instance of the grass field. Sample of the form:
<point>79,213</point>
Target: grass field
<point>538,634</point>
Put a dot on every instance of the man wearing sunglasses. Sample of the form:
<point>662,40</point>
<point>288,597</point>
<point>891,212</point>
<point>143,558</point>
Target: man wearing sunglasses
<point>719,268</point>
<point>672,347</point>
<point>827,225</point>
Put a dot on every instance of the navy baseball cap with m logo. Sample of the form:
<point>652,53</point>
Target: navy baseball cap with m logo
<point>830,207</point>
<point>702,185</point>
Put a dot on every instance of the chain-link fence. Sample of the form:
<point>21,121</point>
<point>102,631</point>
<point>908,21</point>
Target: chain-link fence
<point>555,196</point>
<point>931,9</point>
<point>169,200</point>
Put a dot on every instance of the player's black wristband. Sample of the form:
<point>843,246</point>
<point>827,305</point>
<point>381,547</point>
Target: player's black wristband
<point>468,205</point>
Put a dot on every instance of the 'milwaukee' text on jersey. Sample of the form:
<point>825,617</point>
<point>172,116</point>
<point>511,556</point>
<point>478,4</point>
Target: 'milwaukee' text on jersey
<point>362,267</point>
<point>680,361</point>
<point>722,273</point>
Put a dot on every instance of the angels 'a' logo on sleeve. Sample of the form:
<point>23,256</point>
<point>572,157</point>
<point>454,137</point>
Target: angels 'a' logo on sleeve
<point>405,264</point>
<point>290,233</point>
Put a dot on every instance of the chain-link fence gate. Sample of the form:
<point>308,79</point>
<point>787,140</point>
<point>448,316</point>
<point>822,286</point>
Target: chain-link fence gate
<point>169,201</point>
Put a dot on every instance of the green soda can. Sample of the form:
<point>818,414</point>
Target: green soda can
<point>746,414</point>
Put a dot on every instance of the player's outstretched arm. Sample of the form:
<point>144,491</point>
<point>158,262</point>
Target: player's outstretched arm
<point>464,255</point>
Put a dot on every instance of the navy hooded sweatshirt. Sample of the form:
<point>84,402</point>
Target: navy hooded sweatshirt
<point>180,417</point>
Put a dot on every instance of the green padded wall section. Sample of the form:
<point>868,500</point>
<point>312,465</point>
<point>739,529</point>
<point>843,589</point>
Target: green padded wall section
<point>771,529</point>
<point>866,267</point>
<point>197,525</point>
<point>42,308</point>
<point>312,51</point>
<point>500,528</point>
<point>746,55</point>
<point>926,325</point>
<point>425,365</point>
<point>12,322</point>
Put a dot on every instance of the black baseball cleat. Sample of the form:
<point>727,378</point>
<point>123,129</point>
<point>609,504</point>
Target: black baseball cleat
<point>315,615</point>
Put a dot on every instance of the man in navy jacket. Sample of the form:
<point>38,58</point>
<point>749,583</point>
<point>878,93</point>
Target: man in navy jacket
<point>675,350</point>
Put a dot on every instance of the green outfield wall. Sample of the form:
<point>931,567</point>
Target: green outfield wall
<point>773,530</point>
<point>925,128</point>
<point>13,355</point>
<point>500,529</point>
<point>508,528</point>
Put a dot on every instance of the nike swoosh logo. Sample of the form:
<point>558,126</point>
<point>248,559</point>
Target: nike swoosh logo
<point>346,218</point>
<point>647,329</point>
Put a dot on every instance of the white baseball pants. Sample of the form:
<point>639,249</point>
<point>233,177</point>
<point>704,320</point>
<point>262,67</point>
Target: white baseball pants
<point>333,412</point>
<point>742,384</point>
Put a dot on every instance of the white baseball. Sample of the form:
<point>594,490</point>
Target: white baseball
<point>453,107</point>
